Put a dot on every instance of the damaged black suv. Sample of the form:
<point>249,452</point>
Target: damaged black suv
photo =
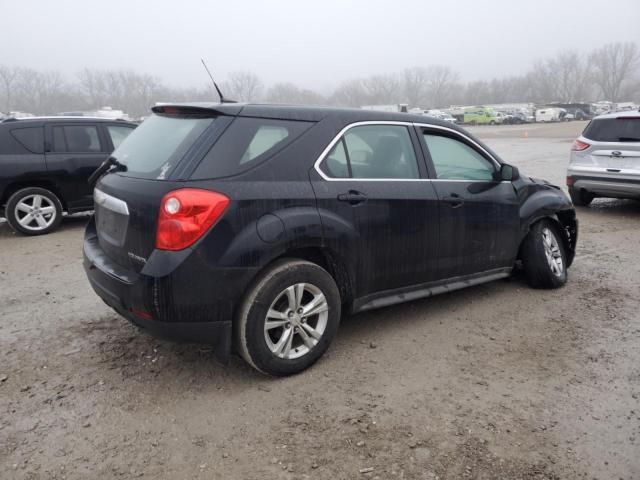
<point>254,227</point>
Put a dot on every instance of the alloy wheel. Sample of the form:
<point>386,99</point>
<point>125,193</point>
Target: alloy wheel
<point>35,212</point>
<point>552,252</point>
<point>296,321</point>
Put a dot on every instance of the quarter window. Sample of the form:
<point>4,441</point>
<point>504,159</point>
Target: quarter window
<point>118,134</point>
<point>455,160</point>
<point>246,143</point>
<point>30,138</point>
<point>373,152</point>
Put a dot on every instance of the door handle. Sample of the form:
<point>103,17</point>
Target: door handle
<point>454,200</point>
<point>353,197</point>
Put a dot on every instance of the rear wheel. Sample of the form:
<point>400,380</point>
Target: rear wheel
<point>288,318</point>
<point>34,211</point>
<point>580,197</point>
<point>543,256</point>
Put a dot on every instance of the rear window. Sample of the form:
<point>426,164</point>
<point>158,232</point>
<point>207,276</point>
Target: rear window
<point>31,138</point>
<point>155,148</point>
<point>613,130</point>
<point>246,143</point>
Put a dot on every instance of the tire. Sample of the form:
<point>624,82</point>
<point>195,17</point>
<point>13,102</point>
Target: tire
<point>268,350</point>
<point>543,256</point>
<point>40,205</point>
<point>492,122</point>
<point>580,197</point>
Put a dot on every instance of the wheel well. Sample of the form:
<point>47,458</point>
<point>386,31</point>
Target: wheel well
<point>330,263</point>
<point>14,187</point>
<point>566,223</point>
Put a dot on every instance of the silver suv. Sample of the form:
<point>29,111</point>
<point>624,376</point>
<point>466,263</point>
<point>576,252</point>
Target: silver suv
<point>605,159</point>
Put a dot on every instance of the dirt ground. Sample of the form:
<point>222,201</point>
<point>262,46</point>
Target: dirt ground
<point>496,381</point>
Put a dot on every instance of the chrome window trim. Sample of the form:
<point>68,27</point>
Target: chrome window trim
<point>341,133</point>
<point>109,202</point>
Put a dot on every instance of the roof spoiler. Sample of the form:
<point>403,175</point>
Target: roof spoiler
<point>198,108</point>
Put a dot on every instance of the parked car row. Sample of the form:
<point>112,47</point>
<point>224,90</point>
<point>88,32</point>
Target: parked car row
<point>190,183</point>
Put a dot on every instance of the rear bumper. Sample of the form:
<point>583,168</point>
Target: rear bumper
<point>606,183</point>
<point>136,297</point>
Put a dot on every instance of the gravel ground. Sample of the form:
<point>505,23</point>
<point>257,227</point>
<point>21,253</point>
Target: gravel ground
<point>496,381</point>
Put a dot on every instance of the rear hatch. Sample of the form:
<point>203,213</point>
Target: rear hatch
<point>157,156</point>
<point>614,145</point>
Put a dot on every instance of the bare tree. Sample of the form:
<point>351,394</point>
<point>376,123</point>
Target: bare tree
<point>288,93</point>
<point>414,83</point>
<point>7,79</point>
<point>242,87</point>
<point>93,86</point>
<point>352,93</point>
<point>41,92</point>
<point>382,89</point>
<point>440,83</point>
<point>613,65</point>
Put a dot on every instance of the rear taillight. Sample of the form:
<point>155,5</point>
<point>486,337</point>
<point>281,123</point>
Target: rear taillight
<point>185,215</point>
<point>579,145</point>
<point>569,181</point>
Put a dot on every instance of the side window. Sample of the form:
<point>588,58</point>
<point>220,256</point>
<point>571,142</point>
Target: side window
<point>373,152</point>
<point>118,134</point>
<point>59,143</point>
<point>31,138</point>
<point>455,160</point>
<point>246,143</point>
<point>336,164</point>
<point>265,138</point>
<point>76,139</point>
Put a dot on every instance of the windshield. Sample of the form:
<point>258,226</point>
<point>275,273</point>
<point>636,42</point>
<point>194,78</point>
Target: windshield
<point>614,130</point>
<point>155,148</point>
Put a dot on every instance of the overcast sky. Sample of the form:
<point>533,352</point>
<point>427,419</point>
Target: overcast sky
<point>314,44</point>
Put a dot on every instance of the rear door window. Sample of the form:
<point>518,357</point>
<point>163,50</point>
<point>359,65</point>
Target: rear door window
<point>246,143</point>
<point>31,138</point>
<point>622,129</point>
<point>373,152</point>
<point>76,139</point>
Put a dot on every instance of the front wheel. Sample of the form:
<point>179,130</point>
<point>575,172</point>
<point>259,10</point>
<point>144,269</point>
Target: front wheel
<point>543,256</point>
<point>288,318</point>
<point>34,211</point>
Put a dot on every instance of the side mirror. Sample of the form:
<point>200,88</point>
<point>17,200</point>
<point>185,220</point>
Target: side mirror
<point>508,173</point>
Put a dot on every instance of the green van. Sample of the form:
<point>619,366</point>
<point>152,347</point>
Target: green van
<point>479,116</point>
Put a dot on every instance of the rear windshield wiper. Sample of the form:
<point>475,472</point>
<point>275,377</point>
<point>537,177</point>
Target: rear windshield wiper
<point>110,164</point>
<point>628,139</point>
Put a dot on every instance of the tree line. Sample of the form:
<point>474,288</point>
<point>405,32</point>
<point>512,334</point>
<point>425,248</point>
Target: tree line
<point>607,73</point>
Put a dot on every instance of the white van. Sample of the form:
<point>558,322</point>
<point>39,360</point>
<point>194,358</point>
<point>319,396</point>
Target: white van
<point>549,114</point>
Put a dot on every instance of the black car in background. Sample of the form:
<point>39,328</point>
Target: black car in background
<point>255,227</point>
<point>45,163</point>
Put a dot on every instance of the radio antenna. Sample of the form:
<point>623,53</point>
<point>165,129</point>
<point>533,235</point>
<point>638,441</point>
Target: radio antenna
<point>215,85</point>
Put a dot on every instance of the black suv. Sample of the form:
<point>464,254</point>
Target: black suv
<point>45,163</point>
<point>254,227</point>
